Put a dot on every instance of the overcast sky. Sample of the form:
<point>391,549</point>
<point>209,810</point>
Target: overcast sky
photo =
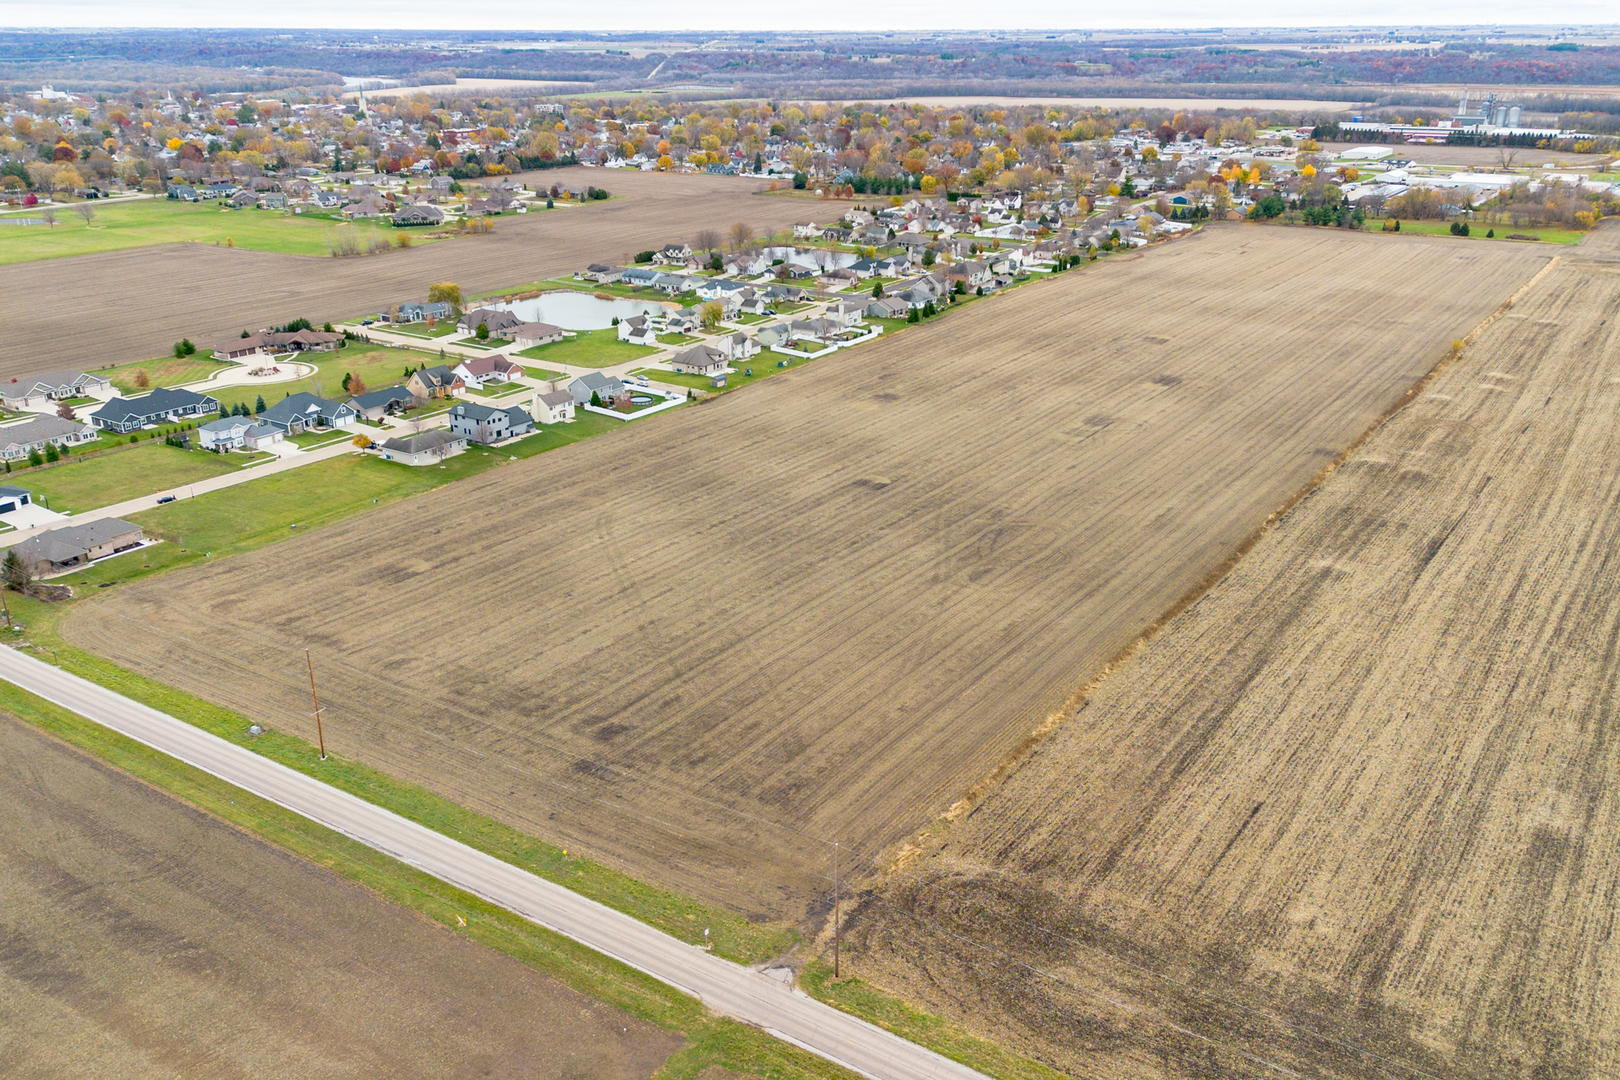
<point>735,15</point>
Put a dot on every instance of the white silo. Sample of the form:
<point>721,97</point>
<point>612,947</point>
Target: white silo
<point>1513,117</point>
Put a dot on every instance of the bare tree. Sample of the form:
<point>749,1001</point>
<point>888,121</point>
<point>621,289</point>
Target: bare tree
<point>48,215</point>
<point>706,240</point>
<point>1505,157</point>
<point>86,211</point>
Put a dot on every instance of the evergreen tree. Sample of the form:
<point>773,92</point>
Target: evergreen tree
<point>258,406</point>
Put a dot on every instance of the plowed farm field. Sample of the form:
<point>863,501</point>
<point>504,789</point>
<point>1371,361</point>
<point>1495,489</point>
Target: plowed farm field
<point>94,310</point>
<point>706,647</point>
<point>141,938</point>
<point>1356,812</point>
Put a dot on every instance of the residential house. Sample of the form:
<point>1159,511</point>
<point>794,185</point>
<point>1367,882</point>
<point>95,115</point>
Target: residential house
<point>638,330</point>
<point>594,382</point>
<point>684,320</point>
<point>16,440</point>
<point>75,545</point>
<point>272,200</point>
<point>738,346</point>
<point>412,312</point>
<point>821,330</point>
<point>746,263</point>
<point>774,334</point>
<point>639,275</point>
<point>237,433</point>
<point>533,334</point>
<point>554,406</point>
<point>424,448</point>
<point>700,360</point>
<point>274,342</point>
<point>303,411</point>
<point>486,424</point>
<point>380,403</point>
<point>161,406</point>
<point>184,192</point>
<point>495,320</point>
<point>671,283</point>
<point>846,312</point>
<point>601,273</point>
<point>369,207</point>
<point>886,307</point>
<point>672,253</point>
<point>488,370</point>
<point>837,234</point>
<point>971,272</point>
<point>38,391</point>
<point>751,303</point>
<point>14,498</point>
<point>807,230</point>
<point>418,214</point>
<point>435,382</point>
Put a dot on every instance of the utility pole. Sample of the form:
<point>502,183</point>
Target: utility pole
<point>837,898</point>
<point>5,610</point>
<point>319,734</point>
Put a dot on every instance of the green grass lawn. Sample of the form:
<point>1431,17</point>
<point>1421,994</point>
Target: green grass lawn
<point>486,343</point>
<point>679,339</point>
<point>1477,230</point>
<point>167,371</point>
<point>751,320</point>
<point>110,477</point>
<point>378,368</point>
<point>441,329</point>
<point>590,348</point>
<point>163,221</point>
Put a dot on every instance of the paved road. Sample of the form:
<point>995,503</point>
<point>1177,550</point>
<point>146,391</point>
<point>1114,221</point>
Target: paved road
<point>724,987</point>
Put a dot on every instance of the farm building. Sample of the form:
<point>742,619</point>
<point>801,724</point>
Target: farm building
<point>58,549</point>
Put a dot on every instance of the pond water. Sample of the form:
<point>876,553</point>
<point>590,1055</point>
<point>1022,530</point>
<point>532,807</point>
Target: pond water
<point>579,310</point>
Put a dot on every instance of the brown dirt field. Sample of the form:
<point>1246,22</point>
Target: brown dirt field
<point>705,646</point>
<point>140,937</point>
<point>1355,812</point>
<point>95,310</point>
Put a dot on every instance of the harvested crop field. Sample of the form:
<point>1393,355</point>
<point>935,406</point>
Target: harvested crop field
<point>134,304</point>
<point>142,938</point>
<point>1355,812</point>
<point>706,646</point>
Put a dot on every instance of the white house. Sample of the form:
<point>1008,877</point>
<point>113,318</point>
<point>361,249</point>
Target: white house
<point>846,312</point>
<point>553,406</point>
<point>637,330</point>
<point>700,360</point>
<point>237,433</point>
<point>424,448</point>
<point>738,346</point>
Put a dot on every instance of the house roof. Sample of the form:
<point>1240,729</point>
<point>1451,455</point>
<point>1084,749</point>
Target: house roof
<point>381,397</point>
<point>556,397</point>
<point>72,542</point>
<point>38,430</point>
<point>160,401</point>
<point>422,441</point>
<point>595,380</point>
<point>225,424</point>
<point>303,406</point>
<point>51,380</point>
<point>13,492</point>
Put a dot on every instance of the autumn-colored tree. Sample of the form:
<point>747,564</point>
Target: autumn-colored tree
<point>362,440</point>
<point>446,292</point>
<point>357,385</point>
<point>710,314</point>
<point>65,411</point>
<point>142,379</point>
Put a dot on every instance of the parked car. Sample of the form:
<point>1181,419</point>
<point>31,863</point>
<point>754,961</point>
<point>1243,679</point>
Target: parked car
<point>165,499</point>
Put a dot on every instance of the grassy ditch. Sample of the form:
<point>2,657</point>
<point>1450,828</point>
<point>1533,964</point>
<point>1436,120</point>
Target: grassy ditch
<point>710,1040</point>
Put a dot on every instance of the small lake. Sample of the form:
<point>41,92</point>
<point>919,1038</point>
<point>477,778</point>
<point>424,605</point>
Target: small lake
<point>579,310</point>
<point>818,257</point>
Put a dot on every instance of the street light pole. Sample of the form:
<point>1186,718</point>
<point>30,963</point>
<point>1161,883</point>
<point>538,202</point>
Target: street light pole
<point>319,733</point>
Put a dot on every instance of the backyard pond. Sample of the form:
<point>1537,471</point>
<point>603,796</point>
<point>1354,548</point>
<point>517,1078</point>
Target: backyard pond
<point>579,310</point>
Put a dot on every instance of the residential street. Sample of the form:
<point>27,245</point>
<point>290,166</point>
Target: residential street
<point>726,988</point>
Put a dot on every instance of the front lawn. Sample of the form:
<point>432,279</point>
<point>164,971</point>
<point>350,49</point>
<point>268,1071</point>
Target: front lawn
<point>144,222</point>
<point>168,371</point>
<point>590,348</point>
<point>440,329</point>
<point>476,343</point>
<point>114,476</point>
<point>678,340</point>
<point>377,368</point>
